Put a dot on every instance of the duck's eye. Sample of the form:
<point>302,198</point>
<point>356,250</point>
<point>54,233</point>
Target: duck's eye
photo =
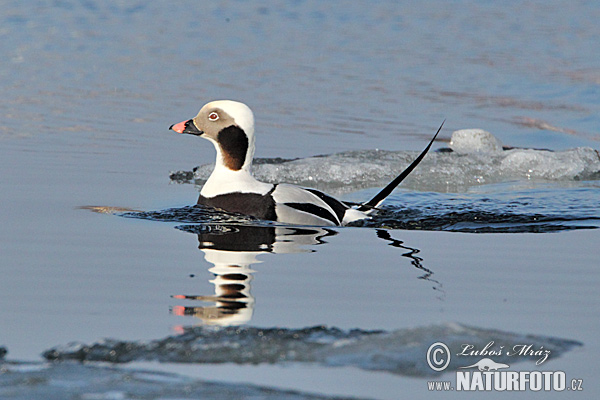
<point>213,116</point>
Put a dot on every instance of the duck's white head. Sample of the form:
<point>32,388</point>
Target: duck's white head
<point>229,125</point>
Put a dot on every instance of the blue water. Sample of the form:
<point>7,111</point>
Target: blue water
<point>91,87</point>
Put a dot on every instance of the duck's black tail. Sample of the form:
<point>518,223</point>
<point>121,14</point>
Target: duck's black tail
<point>385,192</point>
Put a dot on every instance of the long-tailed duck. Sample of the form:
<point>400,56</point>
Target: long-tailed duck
<point>229,125</point>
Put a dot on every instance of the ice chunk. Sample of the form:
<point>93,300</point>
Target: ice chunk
<point>438,172</point>
<point>466,141</point>
<point>400,351</point>
<point>580,163</point>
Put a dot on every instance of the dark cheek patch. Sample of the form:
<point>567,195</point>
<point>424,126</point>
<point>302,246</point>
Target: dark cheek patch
<point>234,146</point>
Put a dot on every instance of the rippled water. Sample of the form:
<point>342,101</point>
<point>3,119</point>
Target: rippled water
<point>533,210</point>
<point>345,95</point>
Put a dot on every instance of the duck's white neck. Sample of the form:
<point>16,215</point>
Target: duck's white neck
<point>225,180</point>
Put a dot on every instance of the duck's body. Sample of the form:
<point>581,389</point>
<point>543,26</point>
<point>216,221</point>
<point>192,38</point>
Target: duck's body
<point>229,125</point>
<point>286,203</point>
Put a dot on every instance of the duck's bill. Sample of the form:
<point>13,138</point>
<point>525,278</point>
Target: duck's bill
<point>186,127</point>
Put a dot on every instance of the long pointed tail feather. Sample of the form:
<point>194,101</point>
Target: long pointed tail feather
<point>385,192</point>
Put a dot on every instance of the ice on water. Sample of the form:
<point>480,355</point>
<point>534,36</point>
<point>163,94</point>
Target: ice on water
<point>399,352</point>
<point>466,141</point>
<point>475,157</point>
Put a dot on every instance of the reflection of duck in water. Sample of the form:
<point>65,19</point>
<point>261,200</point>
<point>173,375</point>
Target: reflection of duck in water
<point>229,125</point>
<point>232,249</point>
<point>233,302</point>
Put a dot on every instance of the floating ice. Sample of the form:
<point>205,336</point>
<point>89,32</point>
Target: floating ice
<point>400,352</point>
<point>478,159</point>
<point>576,164</point>
<point>474,140</point>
